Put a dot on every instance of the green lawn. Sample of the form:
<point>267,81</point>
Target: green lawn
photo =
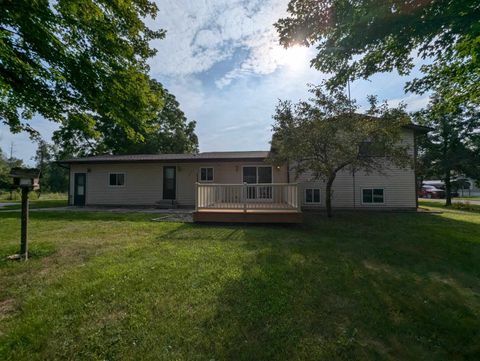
<point>471,198</point>
<point>108,286</point>
<point>462,206</point>
<point>39,203</point>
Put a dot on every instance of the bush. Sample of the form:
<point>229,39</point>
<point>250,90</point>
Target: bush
<point>34,195</point>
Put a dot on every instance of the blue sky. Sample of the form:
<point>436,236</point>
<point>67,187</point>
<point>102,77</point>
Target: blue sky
<point>222,60</point>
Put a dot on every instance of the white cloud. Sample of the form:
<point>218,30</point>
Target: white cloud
<point>203,33</point>
<point>413,102</point>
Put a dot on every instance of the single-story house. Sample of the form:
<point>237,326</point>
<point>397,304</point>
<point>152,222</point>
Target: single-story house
<point>232,182</point>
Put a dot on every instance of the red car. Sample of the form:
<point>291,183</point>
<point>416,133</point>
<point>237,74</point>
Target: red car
<point>431,192</point>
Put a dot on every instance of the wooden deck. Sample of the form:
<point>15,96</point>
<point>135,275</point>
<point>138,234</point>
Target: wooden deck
<point>247,203</point>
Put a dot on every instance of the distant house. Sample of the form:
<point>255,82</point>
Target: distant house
<point>233,183</point>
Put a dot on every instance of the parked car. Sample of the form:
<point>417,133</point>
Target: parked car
<point>428,191</point>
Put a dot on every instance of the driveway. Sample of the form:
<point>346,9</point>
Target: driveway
<point>2,204</point>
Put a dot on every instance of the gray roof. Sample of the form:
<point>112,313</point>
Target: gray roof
<point>171,158</point>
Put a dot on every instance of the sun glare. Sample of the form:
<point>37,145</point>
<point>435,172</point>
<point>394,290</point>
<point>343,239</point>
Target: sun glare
<point>295,57</point>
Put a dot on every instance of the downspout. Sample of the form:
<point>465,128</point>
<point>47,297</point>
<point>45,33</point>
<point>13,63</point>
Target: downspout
<point>354,188</point>
<point>415,167</point>
<point>288,172</point>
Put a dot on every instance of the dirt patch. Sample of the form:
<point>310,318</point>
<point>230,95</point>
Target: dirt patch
<point>175,217</point>
<point>6,307</point>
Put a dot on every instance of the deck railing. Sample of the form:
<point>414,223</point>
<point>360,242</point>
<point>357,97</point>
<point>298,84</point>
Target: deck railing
<point>271,196</point>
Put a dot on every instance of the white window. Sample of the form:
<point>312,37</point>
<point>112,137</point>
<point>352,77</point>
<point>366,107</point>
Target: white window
<point>312,195</point>
<point>116,179</point>
<point>206,174</point>
<point>372,195</point>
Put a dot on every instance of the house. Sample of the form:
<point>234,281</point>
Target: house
<point>233,185</point>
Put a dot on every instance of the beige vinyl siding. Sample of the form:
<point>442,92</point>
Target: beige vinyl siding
<point>398,185</point>
<point>144,181</point>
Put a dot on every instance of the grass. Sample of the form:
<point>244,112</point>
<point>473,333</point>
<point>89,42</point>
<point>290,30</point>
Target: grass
<point>471,198</point>
<point>360,286</point>
<point>40,203</point>
<point>463,206</point>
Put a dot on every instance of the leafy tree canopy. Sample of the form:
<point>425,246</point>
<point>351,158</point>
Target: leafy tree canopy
<point>168,131</point>
<point>73,61</point>
<point>452,147</point>
<point>356,39</point>
<point>326,135</point>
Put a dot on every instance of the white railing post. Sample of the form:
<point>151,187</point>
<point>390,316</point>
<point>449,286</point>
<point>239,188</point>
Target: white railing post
<point>298,204</point>
<point>196,196</point>
<point>244,195</point>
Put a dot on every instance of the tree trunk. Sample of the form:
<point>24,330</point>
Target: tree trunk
<point>448,189</point>
<point>328,195</point>
<point>24,229</point>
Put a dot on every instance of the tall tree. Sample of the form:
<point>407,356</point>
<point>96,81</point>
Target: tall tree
<point>168,131</point>
<point>356,39</point>
<point>54,177</point>
<point>326,135</point>
<point>75,61</point>
<point>452,148</point>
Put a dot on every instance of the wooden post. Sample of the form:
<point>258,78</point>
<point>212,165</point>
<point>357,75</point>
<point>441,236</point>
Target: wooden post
<point>24,231</point>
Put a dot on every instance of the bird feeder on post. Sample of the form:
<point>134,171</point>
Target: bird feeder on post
<point>27,179</point>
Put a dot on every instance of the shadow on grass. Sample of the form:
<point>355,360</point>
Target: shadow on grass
<point>71,215</point>
<point>383,286</point>
<point>352,289</point>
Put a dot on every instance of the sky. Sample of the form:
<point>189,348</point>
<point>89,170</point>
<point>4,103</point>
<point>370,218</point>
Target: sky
<point>222,60</point>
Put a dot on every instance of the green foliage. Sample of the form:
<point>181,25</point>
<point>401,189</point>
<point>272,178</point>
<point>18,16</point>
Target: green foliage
<point>168,131</point>
<point>326,135</point>
<point>452,147</point>
<point>117,286</point>
<point>6,164</point>
<point>54,178</point>
<point>356,39</point>
<point>77,61</point>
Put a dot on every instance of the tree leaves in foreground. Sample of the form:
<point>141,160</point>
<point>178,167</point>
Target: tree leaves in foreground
<point>168,131</point>
<point>452,147</point>
<point>356,39</point>
<point>72,61</point>
<point>325,135</point>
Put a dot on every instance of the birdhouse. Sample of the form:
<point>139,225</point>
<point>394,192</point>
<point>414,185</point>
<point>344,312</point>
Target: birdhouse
<point>26,178</point>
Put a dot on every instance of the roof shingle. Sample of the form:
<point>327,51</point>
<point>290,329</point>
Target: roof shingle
<point>205,156</point>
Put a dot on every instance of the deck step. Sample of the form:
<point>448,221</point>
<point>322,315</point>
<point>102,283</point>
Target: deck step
<point>249,217</point>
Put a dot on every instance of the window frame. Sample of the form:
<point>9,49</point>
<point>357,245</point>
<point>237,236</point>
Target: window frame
<point>313,195</point>
<point>206,181</point>
<point>117,185</point>
<point>373,189</point>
